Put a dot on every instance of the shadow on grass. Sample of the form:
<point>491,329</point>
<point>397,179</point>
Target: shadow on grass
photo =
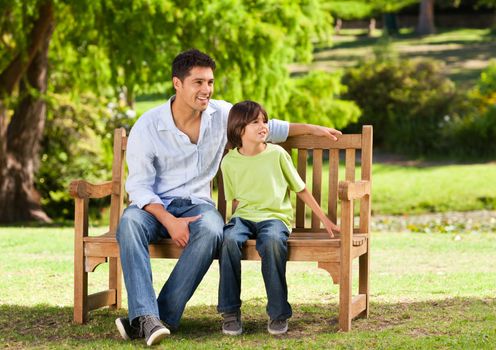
<point>314,324</point>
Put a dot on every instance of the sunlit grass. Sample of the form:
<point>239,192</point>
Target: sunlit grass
<point>427,291</point>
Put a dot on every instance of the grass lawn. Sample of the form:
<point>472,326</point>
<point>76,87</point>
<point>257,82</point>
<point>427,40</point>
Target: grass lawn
<point>398,189</point>
<point>429,291</point>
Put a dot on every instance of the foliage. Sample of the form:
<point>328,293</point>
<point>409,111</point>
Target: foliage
<point>473,134</point>
<point>106,51</point>
<point>487,83</point>
<point>363,9</point>
<point>314,98</point>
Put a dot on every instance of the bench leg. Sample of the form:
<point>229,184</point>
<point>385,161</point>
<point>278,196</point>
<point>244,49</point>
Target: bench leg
<point>364,279</point>
<point>115,281</point>
<point>80,274</point>
<point>345,276</point>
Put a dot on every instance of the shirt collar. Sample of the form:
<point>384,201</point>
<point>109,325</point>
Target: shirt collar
<point>166,121</point>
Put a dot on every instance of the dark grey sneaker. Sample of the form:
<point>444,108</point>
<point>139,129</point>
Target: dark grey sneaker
<point>152,329</point>
<point>126,329</point>
<point>277,327</point>
<point>231,325</point>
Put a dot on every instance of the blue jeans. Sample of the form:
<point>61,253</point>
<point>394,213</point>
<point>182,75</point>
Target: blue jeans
<point>137,229</point>
<point>272,237</point>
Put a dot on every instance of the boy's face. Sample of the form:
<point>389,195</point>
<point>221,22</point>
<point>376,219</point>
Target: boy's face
<point>196,89</point>
<point>256,131</point>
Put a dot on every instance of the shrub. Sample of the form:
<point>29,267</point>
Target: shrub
<point>473,134</point>
<point>316,98</point>
<point>408,102</point>
<point>77,143</point>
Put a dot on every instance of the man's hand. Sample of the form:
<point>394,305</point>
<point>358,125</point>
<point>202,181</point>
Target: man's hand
<point>178,229</point>
<point>296,129</point>
<point>331,133</point>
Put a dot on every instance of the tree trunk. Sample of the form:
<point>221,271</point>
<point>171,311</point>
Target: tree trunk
<point>426,18</point>
<point>19,200</point>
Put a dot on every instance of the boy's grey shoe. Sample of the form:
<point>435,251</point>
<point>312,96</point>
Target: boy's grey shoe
<point>231,325</point>
<point>152,329</point>
<point>277,327</point>
<point>126,329</point>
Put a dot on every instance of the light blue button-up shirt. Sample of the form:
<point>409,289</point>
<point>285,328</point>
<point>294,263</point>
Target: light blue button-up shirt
<point>163,164</point>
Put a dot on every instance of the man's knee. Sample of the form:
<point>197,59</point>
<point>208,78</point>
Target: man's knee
<point>210,225</point>
<point>132,224</point>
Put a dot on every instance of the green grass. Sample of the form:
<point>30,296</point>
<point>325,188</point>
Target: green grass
<point>427,292</point>
<point>401,190</point>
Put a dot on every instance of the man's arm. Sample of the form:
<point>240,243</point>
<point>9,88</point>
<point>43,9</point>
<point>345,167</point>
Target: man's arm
<point>178,228</point>
<point>296,129</point>
<point>307,197</point>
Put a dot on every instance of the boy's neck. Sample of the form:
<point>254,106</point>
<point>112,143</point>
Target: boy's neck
<point>252,149</point>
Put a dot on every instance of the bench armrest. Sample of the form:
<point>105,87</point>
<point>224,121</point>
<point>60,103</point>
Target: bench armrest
<point>84,189</point>
<point>349,190</point>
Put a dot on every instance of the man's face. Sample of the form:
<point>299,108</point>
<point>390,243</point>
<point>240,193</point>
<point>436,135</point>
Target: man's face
<point>196,89</point>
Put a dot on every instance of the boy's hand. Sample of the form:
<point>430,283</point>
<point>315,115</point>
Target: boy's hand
<point>331,227</point>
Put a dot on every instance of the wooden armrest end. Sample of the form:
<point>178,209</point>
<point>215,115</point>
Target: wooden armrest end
<point>84,189</point>
<point>349,190</point>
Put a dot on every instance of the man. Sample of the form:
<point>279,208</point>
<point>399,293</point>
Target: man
<point>173,153</point>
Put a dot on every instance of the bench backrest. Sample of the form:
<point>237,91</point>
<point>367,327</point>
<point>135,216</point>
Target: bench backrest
<point>355,149</point>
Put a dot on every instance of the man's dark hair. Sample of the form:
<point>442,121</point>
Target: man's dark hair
<point>185,61</point>
<point>240,115</point>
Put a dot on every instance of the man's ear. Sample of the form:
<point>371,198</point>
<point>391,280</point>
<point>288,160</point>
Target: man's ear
<point>176,82</point>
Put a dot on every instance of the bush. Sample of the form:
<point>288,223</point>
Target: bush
<point>473,134</point>
<point>408,102</point>
<point>77,143</point>
<point>315,98</point>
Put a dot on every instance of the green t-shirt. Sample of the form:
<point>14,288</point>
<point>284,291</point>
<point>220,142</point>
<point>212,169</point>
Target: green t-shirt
<point>260,183</point>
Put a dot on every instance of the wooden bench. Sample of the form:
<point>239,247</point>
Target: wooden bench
<point>308,241</point>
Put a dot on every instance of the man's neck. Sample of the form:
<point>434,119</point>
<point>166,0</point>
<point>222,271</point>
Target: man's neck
<point>252,149</point>
<point>187,120</point>
<point>183,115</point>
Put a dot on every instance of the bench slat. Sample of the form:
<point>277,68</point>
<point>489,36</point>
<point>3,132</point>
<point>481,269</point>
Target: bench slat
<point>333,185</point>
<point>316,184</point>
<point>300,205</point>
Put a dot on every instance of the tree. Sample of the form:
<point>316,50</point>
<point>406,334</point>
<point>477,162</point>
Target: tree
<point>104,48</point>
<point>426,18</point>
<point>20,133</point>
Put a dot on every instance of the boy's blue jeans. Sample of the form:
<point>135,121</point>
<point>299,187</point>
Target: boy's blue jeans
<point>272,237</point>
<point>137,229</point>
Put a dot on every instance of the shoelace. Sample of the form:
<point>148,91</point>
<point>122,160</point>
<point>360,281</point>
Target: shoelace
<point>147,324</point>
<point>230,319</point>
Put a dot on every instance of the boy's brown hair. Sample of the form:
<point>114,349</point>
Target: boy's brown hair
<point>241,114</point>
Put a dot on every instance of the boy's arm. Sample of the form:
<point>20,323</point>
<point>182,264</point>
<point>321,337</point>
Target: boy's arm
<point>307,197</point>
<point>235,203</point>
